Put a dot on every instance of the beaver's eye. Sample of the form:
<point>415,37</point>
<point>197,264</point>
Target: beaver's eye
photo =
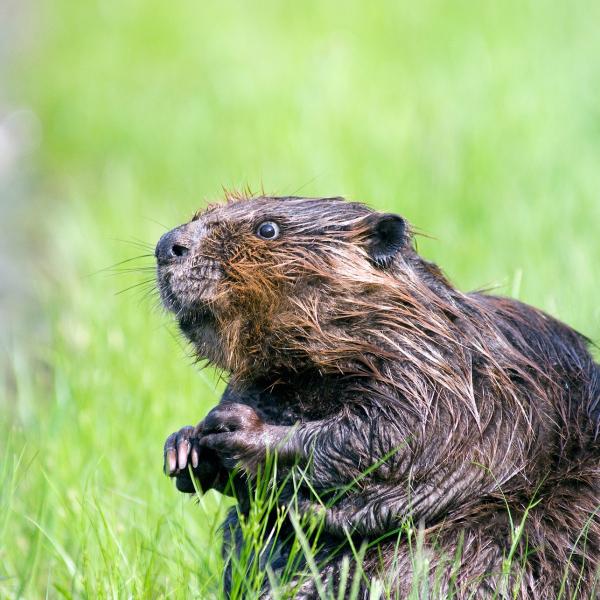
<point>268,230</point>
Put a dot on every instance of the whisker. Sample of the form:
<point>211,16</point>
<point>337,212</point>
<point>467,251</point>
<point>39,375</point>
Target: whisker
<point>134,286</point>
<point>136,243</point>
<point>131,270</point>
<point>149,293</point>
<point>422,233</point>
<point>304,185</point>
<point>118,264</point>
<point>157,223</point>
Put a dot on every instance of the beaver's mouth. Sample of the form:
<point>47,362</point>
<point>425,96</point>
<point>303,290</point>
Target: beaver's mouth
<point>188,293</point>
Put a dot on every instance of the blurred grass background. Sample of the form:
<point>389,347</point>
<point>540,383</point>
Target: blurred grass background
<point>479,122</point>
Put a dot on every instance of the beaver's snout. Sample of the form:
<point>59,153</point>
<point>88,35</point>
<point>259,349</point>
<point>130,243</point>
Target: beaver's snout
<point>173,245</point>
<point>187,276</point>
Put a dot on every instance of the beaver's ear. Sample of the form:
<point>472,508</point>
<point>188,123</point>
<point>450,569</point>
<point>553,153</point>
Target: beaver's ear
<point>387,235</point>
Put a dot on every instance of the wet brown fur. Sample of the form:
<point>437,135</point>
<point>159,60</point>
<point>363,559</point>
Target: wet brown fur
<point>479,409</point>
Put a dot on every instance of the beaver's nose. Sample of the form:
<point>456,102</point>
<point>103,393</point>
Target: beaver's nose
<point>172,246</point>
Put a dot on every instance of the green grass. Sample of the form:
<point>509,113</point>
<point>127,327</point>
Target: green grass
<point>477,121</point>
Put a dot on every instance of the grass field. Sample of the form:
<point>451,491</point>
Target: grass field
<point>478,122</point>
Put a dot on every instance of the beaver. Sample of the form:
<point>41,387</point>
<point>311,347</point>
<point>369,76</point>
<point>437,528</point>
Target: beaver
<point>472,416</point>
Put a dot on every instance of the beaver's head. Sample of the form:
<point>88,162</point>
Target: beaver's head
<point>266,282</point>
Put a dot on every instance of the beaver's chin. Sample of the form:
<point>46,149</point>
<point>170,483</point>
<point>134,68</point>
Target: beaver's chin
<point>194,318</point>
<point>200,328</point>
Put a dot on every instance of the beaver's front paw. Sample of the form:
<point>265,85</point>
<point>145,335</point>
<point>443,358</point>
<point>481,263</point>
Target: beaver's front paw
<point>181,450</point>
<point>236,433</point>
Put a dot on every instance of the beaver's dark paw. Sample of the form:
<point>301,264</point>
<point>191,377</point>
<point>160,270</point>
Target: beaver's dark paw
<point>236,433</point>
<point>181,450</point>
<point>230,417</point>
<point>177,451</point>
